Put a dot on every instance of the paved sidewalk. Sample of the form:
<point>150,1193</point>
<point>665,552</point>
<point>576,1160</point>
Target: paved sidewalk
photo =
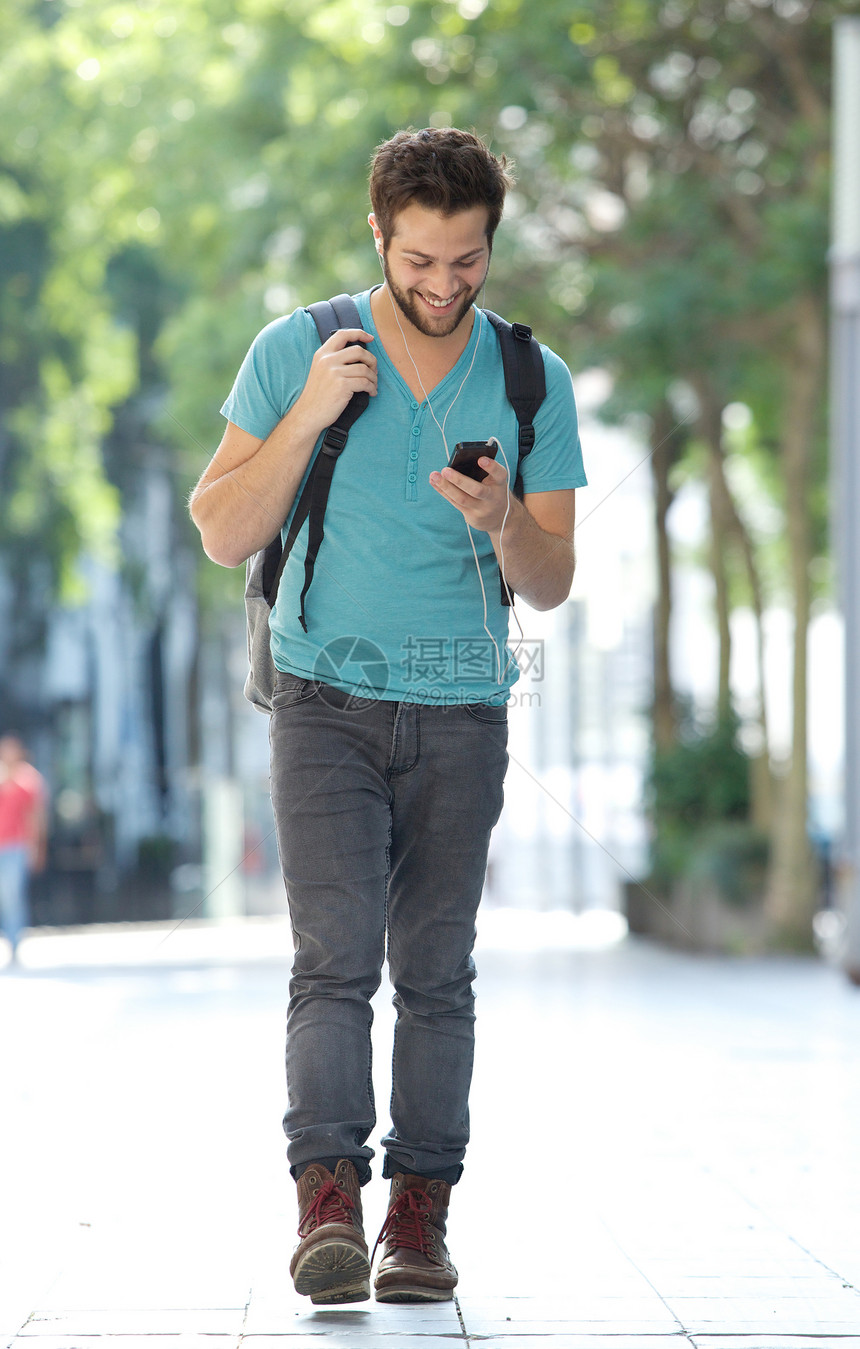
<point>685,1136</point>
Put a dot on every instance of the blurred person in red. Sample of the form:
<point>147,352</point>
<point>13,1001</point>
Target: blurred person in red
<point>23,834</point>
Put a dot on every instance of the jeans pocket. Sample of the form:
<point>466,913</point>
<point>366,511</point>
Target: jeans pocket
<point>493,714</point>
<point>291,689</point>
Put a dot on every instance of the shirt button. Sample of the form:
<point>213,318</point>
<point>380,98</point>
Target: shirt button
<point>413,477</point>
<point>416,430</point>
<point>414,407</point>
<point>413,454</point>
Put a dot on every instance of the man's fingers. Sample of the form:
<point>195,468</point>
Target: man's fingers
<point>493,469</point>
<point>496,475</point>
<point>346,347</point>
<point>344,336</point>
<point>463,482</point>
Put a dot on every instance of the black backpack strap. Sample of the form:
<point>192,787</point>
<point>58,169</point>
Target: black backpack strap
<point>525,386</point>
<point>525,380</point>
<point>329,316</point>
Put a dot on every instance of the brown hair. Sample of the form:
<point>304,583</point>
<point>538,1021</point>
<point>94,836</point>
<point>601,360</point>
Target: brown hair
<point>443,169</point>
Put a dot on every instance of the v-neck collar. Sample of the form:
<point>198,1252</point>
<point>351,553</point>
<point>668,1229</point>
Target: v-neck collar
<point>438,390</point>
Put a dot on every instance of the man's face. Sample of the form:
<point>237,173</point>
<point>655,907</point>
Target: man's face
<point>435,266</point>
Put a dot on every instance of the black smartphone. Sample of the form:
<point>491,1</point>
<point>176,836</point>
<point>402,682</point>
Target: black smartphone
<point>466,456</point>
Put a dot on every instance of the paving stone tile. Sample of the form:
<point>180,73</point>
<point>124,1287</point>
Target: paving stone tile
<point>355,1339</point>
<point>769,1287</point>
<point>798,1327</point>
<point>548,1308</point>
<point>298,1316</point>
<point>723,1341</point>
<point>802,1316</point>
<point>116,1268</point>
<point>548,1333</point>
<point>439,1318</point>
<point>11,1320</point>
<point>134,1321</point>
<point>538,1316</point>
<point>668,1273</point>
<point>801,1328</point>
<point>108,1288</point>
<point>574,1340</point>
<point>179,1298</point>
<point>97,1341</point>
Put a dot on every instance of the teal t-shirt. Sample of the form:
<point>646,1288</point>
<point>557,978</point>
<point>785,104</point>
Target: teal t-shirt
<point>396,609</point>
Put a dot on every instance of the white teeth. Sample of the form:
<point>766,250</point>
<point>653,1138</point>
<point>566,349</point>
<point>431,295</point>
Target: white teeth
<point>440,304</point>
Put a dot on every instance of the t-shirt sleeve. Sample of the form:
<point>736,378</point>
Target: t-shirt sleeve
<point>272,374</point>
<point>555,463</point>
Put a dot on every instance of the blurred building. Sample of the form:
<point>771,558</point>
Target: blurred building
<point>104,693</point>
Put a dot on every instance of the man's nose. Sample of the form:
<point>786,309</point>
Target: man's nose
<point>444,281</point>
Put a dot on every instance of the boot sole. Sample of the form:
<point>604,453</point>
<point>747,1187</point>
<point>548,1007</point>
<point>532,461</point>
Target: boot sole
<point>414,1294</point>
<point>333,1272</point>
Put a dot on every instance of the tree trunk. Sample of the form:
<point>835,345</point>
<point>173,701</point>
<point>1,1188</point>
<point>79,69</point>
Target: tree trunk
<point>761,786</point>
<point>717,555</point>
<point>733,526</point>
<point>711,427</point>
<point>664,454</point>
<point>790,893</point>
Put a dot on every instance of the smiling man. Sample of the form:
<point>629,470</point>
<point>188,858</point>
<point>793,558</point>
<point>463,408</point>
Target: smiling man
<point>389,724</point>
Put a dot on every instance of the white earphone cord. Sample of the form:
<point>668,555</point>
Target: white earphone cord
<point>492,440</point>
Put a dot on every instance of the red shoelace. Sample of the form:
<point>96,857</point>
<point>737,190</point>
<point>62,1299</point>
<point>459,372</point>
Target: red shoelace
<point>330,1205</point>
<point>407,1221</point>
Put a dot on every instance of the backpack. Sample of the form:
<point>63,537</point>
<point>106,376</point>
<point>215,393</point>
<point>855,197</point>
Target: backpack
<point>525,387</point>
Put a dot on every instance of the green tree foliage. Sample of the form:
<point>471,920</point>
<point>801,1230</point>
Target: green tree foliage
<point>699,799</point>
<point>175,173</point>
<point>63,361</point>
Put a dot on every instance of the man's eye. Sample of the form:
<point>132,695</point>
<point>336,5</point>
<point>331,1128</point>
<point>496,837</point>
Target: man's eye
<point>464,262</point>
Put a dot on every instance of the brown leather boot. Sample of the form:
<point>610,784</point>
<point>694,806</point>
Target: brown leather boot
<point>415,1264</point>
<point>330,1263</point>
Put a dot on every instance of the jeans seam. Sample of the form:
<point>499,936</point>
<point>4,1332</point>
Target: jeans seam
<point>388,948</point>
<point>386,940</point>
<point>399,772</point>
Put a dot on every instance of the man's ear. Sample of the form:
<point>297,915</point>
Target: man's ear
<point>378,239</point>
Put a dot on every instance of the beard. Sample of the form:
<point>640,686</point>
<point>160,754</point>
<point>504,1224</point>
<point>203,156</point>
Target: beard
<point>414,309</point>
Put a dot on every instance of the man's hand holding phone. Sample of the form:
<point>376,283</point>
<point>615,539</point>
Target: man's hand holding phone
<point>466,456</point>
<point>475,484</point>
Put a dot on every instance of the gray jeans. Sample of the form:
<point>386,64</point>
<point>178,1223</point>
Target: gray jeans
<point>384,812</point>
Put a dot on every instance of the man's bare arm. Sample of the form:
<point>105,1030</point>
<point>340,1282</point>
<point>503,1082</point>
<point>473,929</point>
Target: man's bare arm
<point>244,496</point>
<point>246,492</point>
<point>538,547</point>
<point>538,532</point>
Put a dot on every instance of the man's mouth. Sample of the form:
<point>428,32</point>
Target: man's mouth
<point>440,304</point>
